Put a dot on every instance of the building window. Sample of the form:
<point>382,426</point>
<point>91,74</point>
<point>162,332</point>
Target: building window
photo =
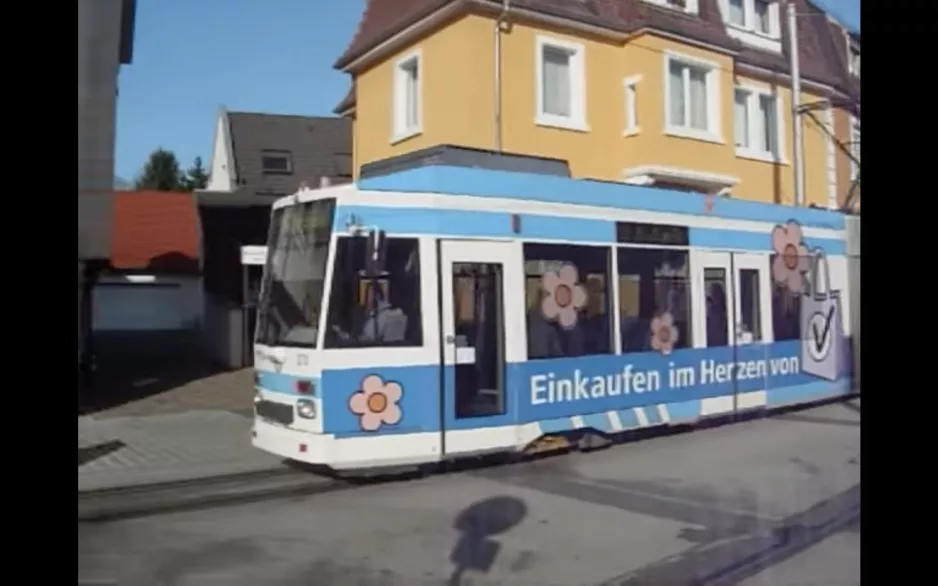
<point>855,61</point>
<point>654,299</point>
<point>759,16</point>
<point>737,12</point>
<point>385,311</point>
<point>692,98</point>
<point>567,300</point>
<point>407,97</point>
<point>689,6</point>
<point>756,122</point>
<point>275,162</point>
<point>631,105</point>
<point>561,84</point>
<point>854,147</point>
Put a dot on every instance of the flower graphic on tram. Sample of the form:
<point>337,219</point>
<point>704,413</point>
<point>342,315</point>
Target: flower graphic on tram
<point>376,403</point>
<point>791,256</point>
<point>664,334</point>
<point>565,296</point>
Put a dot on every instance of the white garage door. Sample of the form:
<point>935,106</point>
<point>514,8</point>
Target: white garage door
<point>141,307</point>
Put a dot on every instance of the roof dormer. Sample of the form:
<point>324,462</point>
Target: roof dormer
<point>756,23</point>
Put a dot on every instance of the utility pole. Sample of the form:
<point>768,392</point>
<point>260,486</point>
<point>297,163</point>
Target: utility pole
<point>797,134</point>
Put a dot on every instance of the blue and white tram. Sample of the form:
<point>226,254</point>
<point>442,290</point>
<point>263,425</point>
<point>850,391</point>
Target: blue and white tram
<point>404,320</point>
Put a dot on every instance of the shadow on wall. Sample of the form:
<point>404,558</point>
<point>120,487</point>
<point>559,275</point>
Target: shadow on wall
<point>173,263</point>
<point>134,365</point>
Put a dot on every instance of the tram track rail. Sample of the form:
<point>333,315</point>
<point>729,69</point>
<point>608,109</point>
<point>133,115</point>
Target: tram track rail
<point>298,480</point>
<point>113,504</point>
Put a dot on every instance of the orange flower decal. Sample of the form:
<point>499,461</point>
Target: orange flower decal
<point>565,296</point>
<point>664,334</point>
<point>791,260</point>
<point>376,403</point>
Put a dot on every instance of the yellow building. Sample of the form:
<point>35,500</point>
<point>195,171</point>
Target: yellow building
<point>687,94</point>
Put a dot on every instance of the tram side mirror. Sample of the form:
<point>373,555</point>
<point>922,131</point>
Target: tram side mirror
<point>376,249</point>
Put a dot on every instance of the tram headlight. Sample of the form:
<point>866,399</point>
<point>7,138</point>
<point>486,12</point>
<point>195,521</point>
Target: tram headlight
<point>306,409</point>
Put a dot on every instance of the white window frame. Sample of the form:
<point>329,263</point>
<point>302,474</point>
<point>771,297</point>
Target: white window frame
<point>854,146</point>
<point>577,52</point>
<point>690,6</point>
<point>714,131</point>
<point>853,59</point>
<point>630,91</point>
<point>753,94</point>
<point>748,33</point>
<point>400,130</point>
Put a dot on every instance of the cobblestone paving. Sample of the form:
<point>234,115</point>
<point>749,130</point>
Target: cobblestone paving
<point>171,447</point>
<point>198,428</point>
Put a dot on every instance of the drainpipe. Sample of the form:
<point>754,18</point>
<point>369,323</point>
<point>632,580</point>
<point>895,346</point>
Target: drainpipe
<point>798,139</point>
<point>506,8</point>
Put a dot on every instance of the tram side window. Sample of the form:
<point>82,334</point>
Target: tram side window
<point>383,311</point>
<point>654,299</point>
<point>786,300</point>
<point>567,300</point>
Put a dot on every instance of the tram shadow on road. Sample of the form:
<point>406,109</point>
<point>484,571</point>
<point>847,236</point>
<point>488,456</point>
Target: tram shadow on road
<point>478,524</point>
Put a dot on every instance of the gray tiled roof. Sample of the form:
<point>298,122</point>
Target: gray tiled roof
<point>318,146</point>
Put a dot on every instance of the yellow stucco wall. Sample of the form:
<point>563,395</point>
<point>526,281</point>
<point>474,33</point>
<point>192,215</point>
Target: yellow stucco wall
<point>458,108</point>
<point>842,122</point>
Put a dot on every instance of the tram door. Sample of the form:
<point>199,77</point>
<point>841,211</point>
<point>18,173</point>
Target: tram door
<point>736,288</point>
<point>737,310</point>
<point>253,259</point>
<point>480,283</point>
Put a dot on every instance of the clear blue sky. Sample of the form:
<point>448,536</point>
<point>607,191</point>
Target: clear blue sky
<point>192,56</point>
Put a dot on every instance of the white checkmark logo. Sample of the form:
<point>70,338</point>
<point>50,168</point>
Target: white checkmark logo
<point>819,336</point>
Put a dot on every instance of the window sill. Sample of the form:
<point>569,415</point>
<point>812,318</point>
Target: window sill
<point>754,32</point>
<point>744,153</point>
<point>753,38</point>
<point>561,123</point>
<point>633,131</point>
<point>701,135</point>
<point>405,135</point>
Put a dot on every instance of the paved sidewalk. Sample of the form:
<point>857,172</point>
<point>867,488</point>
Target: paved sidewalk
<point>165,391</point>
<point>173,447</point>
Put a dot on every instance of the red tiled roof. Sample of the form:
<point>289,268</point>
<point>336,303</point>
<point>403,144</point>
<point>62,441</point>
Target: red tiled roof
<point>155,230</point>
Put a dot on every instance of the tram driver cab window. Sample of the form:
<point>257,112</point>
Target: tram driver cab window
<point>375,310</point>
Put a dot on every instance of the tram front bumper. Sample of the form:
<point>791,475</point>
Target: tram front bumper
<point>349,453</point>
<point>303,446</point>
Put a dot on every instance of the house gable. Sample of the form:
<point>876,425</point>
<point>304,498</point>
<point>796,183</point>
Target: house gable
<point>222,174</point>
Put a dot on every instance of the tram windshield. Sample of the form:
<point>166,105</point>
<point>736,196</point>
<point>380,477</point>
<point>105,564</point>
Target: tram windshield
<point>292,292</point>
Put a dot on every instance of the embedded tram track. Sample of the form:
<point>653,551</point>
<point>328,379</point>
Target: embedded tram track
<point>299,480</point>
<point>115,504</point>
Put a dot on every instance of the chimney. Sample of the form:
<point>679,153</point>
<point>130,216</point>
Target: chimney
<point>324,182</point>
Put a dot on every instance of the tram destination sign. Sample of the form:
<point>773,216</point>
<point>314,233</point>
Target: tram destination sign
<point>661,234</point>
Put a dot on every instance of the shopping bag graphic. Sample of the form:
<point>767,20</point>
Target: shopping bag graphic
<point>822,340</point>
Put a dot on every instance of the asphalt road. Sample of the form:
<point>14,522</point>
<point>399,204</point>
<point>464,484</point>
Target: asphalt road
<point>769,502</point>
